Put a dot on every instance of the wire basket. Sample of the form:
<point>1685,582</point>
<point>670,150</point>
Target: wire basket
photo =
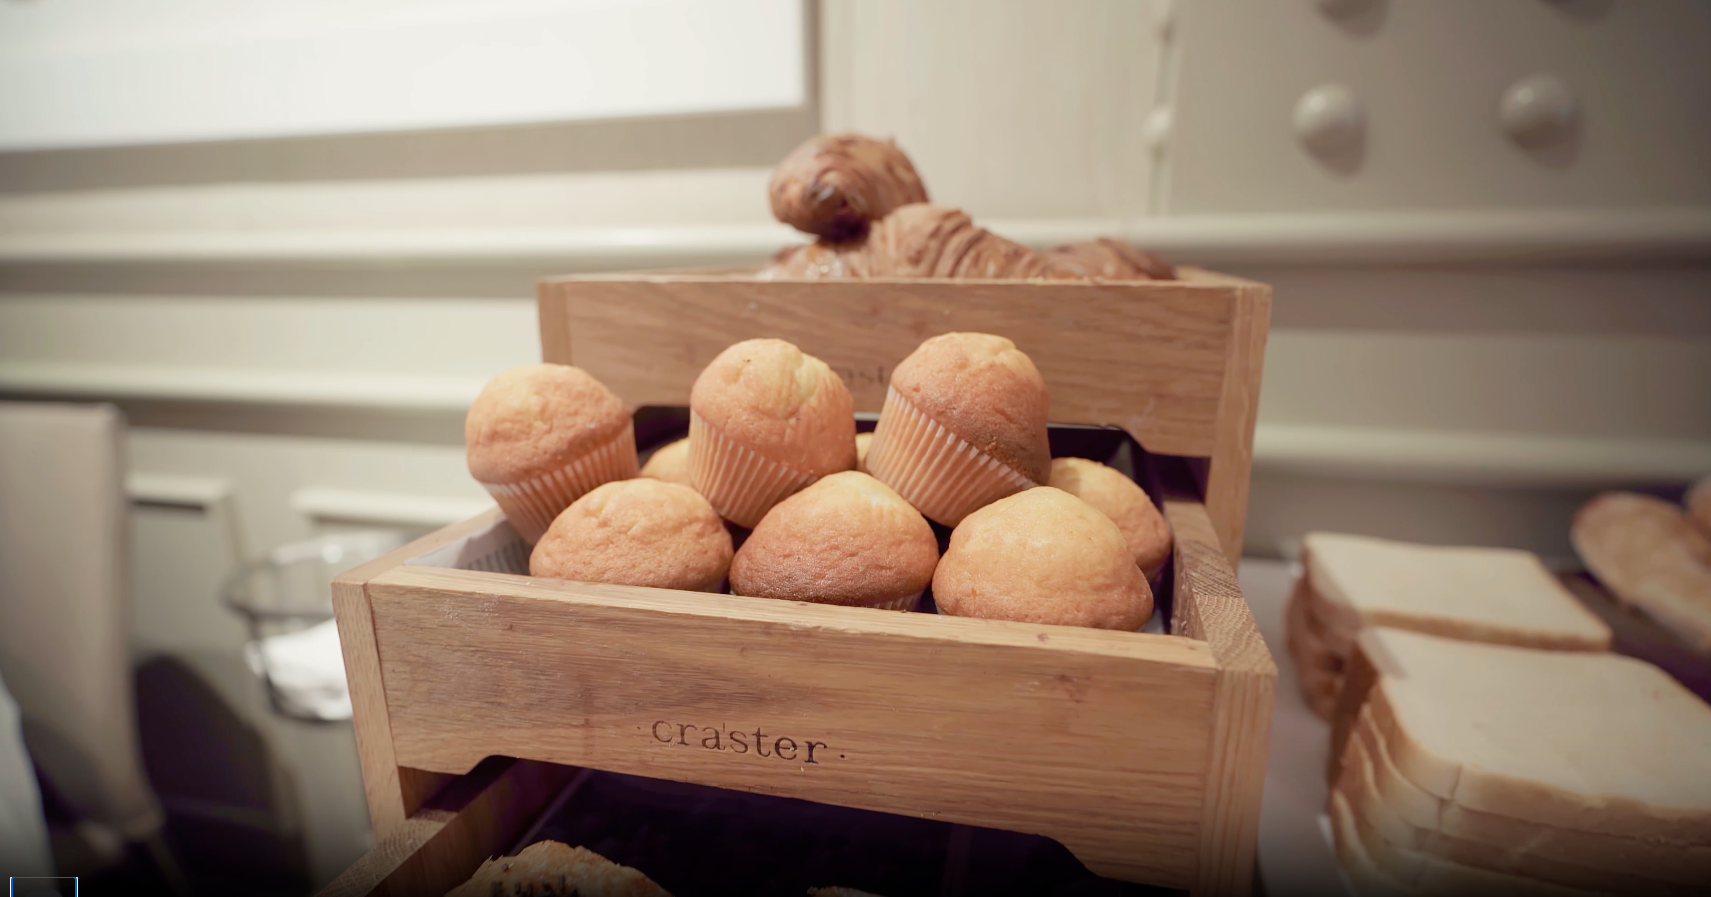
<point>285,599</point>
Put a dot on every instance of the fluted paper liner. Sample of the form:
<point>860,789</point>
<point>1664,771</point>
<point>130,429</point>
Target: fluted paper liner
<point>739,482</point>
<point>944,477</point>
<point>907,602</point>
<point>533,504</point>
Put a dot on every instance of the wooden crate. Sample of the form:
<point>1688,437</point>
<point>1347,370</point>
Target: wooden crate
<point>1143,754</point>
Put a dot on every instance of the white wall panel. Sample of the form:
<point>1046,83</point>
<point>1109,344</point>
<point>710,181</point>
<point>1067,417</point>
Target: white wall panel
<point>1430,73</point>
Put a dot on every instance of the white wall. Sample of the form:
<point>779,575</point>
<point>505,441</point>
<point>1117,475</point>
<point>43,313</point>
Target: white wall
<point>1467,337</point>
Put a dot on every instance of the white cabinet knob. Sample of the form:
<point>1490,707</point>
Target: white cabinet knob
<point>1538,109</point>
<point>1329,117</point>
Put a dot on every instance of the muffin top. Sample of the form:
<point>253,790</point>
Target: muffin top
<point>537,417</point>
<point>863,440</point>
<point>847,539</point>
<point>781,402</point>
<point>669,462</point>
<point>1117,497</point>
<point>640,532</point>
<point>983,389</point>
<point>1042,556</point>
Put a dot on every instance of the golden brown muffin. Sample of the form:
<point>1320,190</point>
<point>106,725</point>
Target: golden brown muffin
<point>848,539</point>
<point>964,424</point>
<point>669,462</point>
<point>863,442</point>
<point>540,436</point>
<point>833,185</point>
<point>552,869</point>
<point>639,532</point>
<point>766,420</point>
<point>1043,556</point>
<point>1119,498</point>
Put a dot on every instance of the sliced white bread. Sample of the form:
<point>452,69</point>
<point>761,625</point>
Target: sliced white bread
<point>1496,595</point>
<point>1595,742</point>
<point>1378,869</point>
<point>1364,875</point>
<point>1679,863</point>
<point>1359,786</point>
<point>1317,670</point>
<point>1429,874</point>
<point>1649,554</point>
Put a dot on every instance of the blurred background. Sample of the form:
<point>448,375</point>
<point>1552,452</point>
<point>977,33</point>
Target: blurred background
<point>290,241</point>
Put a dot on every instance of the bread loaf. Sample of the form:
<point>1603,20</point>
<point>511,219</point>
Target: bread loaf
<point>1648,554</point>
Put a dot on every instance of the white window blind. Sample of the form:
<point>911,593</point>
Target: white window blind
<point>79,73</point>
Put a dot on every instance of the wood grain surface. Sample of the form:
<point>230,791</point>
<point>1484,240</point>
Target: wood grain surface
<point>1098,739</point>
<point>392,796</point>
<point>1209,605</point>
<point>442,844</point>
<point>1150,357</point>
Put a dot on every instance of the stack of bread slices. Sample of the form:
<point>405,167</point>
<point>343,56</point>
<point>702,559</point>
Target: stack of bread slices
<point>1495,595</point>
<point>1471,769</point>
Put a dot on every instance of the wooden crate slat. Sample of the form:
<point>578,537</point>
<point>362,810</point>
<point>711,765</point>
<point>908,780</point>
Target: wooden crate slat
<point>1094,738</point>
<point>1148,357</point>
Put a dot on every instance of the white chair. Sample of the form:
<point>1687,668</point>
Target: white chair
<point>63,634</point>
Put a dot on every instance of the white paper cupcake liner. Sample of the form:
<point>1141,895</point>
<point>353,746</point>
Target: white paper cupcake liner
<point>944,477</point>
<point>739,482</point>
<point>533,504</point>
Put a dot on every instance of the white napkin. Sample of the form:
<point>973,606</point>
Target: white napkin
<point>307,670</point>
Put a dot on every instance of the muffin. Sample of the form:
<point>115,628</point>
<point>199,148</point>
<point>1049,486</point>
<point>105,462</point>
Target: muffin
<point>1042,556</point>
<point>963,425</point>
<point>863,442</point>
<point>639,532</point>
<point>669,462</point>
<point>766,420</point>
<point>1117,497</point>
<point>540,436</point>
<point>848,539</point>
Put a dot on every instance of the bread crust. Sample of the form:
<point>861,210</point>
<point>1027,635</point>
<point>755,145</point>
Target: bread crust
<point>848,539</point>
<point>1649,555</point>
<point>784,404</point>
<point>987,392</point>
<point>536,418</point>
<point>640,532</point>
<point>1435,817</point>
<point>1042,556</point>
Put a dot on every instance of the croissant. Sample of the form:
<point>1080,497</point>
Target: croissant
<point>835,185</point>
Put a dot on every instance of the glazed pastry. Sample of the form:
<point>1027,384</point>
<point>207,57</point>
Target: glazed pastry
<point>834,185</point>
<point>552,869</point>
